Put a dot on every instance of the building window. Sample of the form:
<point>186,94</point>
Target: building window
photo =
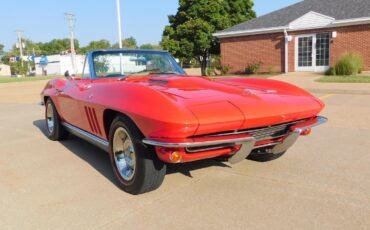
<point>322,49</point>
<point>305,51</point>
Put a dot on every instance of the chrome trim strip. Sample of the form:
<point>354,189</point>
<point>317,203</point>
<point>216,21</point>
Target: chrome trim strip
<point>245,150</point>
<point>97,141</point>
<point>228,146</point>
<point>189,150</point>
<point>320,121</point>
<point>267,145</point>
<point>290,140</point>
<point>196,144</point>
<point>260,131</point>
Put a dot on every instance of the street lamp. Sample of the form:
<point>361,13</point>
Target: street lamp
<point>71,18</point>
<point>119,34</point>
<point>119,24</point>
<point>20,44</point>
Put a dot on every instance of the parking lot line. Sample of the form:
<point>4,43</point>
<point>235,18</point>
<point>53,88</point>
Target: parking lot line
<point>326,96</point>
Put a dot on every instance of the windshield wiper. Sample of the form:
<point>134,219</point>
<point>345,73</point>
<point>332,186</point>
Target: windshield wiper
<point>163,73</point>
<point>152,73</point>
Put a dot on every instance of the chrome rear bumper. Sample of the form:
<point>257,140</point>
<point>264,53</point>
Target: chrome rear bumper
<point>247,143</point>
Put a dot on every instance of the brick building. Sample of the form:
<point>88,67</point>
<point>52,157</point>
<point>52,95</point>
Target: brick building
<point>308,36</point>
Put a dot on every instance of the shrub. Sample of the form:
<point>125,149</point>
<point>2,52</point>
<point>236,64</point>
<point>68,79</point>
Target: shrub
<point>209,71</point>
<point>331,71</point>
<point>349,64</point>
<point>224,69</point>
<point>253,68</point>
<point>217,68</point>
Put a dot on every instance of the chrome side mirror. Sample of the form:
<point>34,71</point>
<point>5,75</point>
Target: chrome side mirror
<point>68,75</point>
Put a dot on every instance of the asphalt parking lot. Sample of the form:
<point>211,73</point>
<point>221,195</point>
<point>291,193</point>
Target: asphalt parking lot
<point>323,182</point>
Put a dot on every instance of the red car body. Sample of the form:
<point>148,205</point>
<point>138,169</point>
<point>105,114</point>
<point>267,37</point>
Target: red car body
<point>195,117</point>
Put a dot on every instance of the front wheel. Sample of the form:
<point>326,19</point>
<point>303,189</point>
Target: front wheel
<point>136,166</point>
<point>54,129</point>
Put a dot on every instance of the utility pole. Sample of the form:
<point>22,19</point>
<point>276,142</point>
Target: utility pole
<point>71,19</point>
<point>20,44</point>
<point>119,24</point>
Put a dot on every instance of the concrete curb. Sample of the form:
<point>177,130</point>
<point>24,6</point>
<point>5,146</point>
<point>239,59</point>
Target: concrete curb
<point>339,91</point>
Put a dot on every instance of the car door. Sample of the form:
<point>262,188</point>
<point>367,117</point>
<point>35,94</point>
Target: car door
<point>91,112</point>
<point>67,101</point>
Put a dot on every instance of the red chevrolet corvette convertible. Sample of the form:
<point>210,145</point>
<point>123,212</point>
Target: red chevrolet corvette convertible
<point>146,112</point>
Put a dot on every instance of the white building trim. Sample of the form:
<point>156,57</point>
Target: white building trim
<point>311,19</point>
<point>250,32</point>
<point>351,22</point>
<point>332,24</point>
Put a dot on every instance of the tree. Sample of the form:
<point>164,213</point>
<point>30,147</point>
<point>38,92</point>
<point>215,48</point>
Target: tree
<point>57,46</point>
<point>17,68</point>
<point>2,52</point>
<point>100,44</point>
<point>129,43</point>
<point>190,33</point>
<point>150,47</point>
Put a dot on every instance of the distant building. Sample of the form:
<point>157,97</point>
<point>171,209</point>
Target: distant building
<point>58,64</point>
<point>308,36</point>
<point>5,70</point>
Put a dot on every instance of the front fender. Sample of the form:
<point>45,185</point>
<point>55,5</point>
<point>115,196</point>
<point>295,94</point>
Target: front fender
<point>157,115</point>
<point>50,91</point>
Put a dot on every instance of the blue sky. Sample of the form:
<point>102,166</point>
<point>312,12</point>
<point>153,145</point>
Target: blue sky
<point>43,20</point>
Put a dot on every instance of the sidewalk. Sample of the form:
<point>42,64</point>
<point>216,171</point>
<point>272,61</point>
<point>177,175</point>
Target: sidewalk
<point>307,81</point>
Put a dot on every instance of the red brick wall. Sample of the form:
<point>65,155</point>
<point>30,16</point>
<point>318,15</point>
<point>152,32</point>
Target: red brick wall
<point>240,51</point>
<point>269,48</point>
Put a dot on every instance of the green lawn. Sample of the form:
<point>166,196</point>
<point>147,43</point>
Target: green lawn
<point>344,79</point>
<point>26,79</point>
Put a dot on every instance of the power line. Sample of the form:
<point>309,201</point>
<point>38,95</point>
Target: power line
<point>71,19</point>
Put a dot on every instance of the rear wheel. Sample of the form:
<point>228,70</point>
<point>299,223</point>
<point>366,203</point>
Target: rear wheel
<point>264,157</point>
<point>136,166</point>
<point>54,129</point>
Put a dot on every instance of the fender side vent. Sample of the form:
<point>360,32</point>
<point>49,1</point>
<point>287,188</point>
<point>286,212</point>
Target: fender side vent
<point>93,121</point>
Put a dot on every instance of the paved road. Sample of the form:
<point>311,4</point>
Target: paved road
<point>323,182</point>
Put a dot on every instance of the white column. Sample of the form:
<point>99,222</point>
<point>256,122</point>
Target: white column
<point>286,51</point>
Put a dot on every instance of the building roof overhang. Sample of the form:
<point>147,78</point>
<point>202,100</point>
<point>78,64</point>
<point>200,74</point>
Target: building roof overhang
<point>332,23</point>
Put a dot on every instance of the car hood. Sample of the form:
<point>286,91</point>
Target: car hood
<point>229,104</point>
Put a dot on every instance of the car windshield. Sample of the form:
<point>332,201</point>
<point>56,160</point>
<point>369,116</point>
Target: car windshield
<point>109,64</point>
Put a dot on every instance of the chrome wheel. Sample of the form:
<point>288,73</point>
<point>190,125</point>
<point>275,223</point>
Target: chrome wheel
<point>50,117</point>
<point>124,154</point>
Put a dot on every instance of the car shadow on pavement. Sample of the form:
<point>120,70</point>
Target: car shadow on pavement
<point>99,159</point>
<point>187,168</point>
<point>94,156</point>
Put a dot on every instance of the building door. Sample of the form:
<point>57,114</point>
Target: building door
<point>312,52</point>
